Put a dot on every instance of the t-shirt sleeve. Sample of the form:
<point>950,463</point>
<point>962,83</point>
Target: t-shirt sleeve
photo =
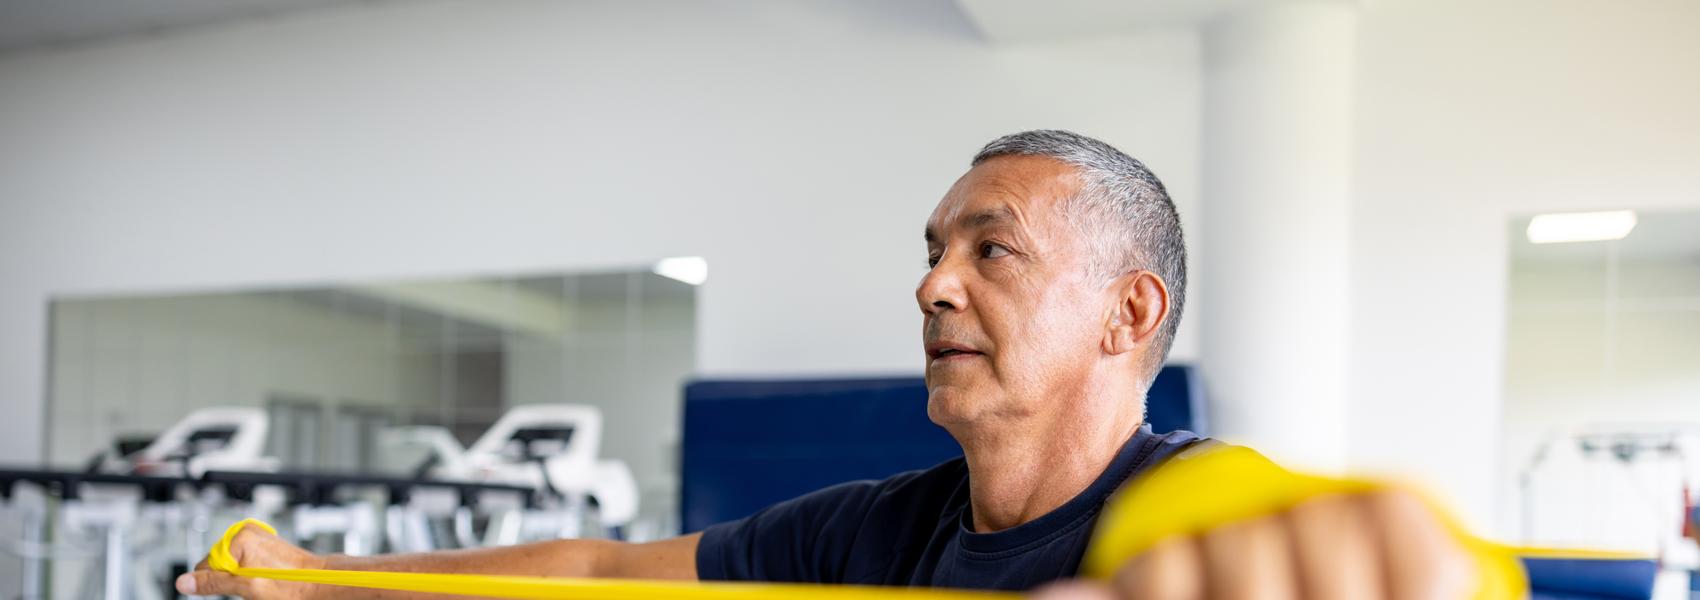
<point>805,539</point>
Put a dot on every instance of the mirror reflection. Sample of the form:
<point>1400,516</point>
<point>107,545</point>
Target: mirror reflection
<point>1602,399</point>
<point>408,378</point>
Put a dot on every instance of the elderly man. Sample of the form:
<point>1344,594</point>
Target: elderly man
<point>1057,276</point>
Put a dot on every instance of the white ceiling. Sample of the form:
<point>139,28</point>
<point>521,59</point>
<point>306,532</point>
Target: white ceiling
<point>1011,21</point>
<point>37,24</point>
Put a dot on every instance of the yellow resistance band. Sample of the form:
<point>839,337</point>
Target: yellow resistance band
<point>501,586</point>
<point>1198,491</point>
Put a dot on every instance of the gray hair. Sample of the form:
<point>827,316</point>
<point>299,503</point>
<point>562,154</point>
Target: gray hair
<point>1122,209</point>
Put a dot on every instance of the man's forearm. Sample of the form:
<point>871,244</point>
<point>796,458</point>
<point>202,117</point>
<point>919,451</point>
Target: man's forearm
<point>554,558</point>
<point>667,559</point>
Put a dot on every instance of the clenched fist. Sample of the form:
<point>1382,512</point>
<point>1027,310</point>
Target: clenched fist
<point>254,547</point>
<point>1384,544</point>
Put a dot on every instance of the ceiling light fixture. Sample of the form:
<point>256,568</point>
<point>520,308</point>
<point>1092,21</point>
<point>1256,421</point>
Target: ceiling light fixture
<point>689,269</point>
<point>1601,226</point>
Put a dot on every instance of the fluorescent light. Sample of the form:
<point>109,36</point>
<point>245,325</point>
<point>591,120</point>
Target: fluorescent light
<point>1581,227</point>
<point>689,269</point>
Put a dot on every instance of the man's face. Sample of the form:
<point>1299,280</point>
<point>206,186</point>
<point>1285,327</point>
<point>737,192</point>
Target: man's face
<point>1011,317</point>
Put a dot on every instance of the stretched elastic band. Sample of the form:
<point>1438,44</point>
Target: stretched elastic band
<point>1194,493</point>
<point>501,586</point>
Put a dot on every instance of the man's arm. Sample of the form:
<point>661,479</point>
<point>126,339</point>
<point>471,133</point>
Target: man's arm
<point>666,559</point>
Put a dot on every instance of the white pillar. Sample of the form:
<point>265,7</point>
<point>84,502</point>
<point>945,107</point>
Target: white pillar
<point>1277,158</point>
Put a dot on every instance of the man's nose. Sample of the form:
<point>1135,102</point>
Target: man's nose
<point>941,289</point>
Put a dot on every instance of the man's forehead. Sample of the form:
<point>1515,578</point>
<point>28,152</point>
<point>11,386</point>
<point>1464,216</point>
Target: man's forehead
<point>1005,189</point>
<point>1000,215</point>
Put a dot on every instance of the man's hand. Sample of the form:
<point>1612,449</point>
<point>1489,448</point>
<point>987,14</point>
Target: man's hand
<point>253,547</point>
<point>1377,545</point>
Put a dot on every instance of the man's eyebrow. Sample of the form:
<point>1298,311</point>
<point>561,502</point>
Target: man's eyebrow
<point>984,218</point>
<point>993,216</point>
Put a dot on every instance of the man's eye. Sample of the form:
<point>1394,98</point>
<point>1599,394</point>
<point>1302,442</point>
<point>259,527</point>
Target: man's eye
<point>991,250</point>
<point>932,260</point>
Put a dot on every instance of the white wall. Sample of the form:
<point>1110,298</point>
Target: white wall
<point>1468,112</point>
<point>797,146</point>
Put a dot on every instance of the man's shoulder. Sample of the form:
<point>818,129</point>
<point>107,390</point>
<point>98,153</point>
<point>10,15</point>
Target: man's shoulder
<point>938,481</point>
<point>948,475</point>
<point>1183,436</point>
<point>1174,444</point>
<point>911,497</point>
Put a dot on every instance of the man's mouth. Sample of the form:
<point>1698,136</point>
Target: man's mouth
<point>948,351</point>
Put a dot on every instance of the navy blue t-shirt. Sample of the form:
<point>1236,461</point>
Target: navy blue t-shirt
<point>915,529</point>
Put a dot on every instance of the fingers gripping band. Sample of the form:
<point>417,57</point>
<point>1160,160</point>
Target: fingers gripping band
<point>1195,493</point>
<point>219,557</point>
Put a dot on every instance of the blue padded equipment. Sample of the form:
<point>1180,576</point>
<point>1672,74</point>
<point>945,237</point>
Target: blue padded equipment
<point>1566,579</point>
<point>748,444</point>
<point>1176,401</point>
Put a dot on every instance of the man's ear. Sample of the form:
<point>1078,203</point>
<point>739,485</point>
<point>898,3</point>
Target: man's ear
<point>1142,304</point>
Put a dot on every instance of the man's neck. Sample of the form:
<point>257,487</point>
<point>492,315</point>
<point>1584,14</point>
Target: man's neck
<point>1018,472</point>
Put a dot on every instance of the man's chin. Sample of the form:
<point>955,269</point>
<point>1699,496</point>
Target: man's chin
<point>949,405</point>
